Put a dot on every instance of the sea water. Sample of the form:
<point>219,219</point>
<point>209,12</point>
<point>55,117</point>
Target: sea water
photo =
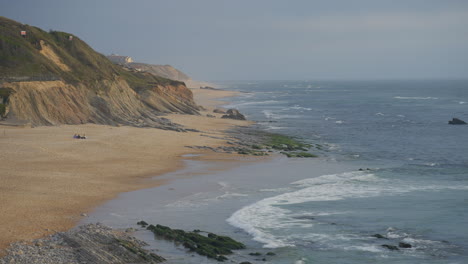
<point>416,188</point>
<point>389,164</point>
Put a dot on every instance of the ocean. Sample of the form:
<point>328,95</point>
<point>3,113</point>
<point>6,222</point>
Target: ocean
<point>388,164</point>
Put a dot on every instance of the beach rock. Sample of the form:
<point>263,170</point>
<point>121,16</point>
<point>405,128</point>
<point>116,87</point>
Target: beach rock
<point>142,223</point>
<point>234,114</point>
<point>212,116</point>
<point>92,243</point>
<point>404,245</point>
<point>219,111</point>
<point>391,247</point>
<point>379,236</point>
<point>456,121</point>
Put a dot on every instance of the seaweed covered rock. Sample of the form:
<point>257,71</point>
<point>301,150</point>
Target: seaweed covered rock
<point>212,245</point>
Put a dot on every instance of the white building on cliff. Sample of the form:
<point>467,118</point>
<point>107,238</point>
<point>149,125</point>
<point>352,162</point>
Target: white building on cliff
<point>119,59</point>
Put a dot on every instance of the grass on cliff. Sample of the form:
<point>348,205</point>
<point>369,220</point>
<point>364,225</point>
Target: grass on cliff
<point>21,57</point>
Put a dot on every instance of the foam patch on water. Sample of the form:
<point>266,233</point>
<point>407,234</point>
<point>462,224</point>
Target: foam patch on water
<point>272,115</point>
<point>297,107</point>
<point>415,98</point>
<point>274,127</point>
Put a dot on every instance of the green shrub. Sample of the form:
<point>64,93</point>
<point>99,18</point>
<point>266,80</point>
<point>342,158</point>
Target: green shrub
<point>2,110</point>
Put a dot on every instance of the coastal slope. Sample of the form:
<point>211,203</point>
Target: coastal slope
<point>52,78</point>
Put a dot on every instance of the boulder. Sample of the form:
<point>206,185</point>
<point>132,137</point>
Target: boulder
<point>233,114</point>
<point>391,247</point>
<point>404,245</point>
<point>456,121</point>
<point>219,111</point>
<point>379,236</point>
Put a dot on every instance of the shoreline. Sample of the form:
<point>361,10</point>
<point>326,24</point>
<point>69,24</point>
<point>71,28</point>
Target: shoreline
<point>51,181</point>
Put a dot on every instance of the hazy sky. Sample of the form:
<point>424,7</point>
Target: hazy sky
<point>269,39</point>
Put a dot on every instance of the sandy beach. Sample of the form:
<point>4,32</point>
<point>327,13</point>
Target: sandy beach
<point>49,180</point>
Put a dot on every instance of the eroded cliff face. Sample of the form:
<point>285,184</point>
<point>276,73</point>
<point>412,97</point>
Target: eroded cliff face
<point>56,102</point>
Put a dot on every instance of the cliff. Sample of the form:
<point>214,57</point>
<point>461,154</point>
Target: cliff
<point>51,78</point>
<point>166,71</point>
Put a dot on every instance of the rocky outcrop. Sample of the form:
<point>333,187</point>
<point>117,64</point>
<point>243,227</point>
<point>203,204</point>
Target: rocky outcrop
<point>219,111</point>
<point>92,243</point>
<point>456,121</point>
<point>233,114</point>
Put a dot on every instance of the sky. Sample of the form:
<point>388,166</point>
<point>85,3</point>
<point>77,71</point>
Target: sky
<point>269,39</point>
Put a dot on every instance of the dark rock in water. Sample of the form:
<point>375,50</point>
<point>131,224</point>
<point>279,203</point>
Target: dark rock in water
<point>234,114</point>
<point>304,217</point>
<point>270,254</point>
<point>379,236</point>
<point>404,245</point>
<point>456,121</point>
<point>245,262</point>
<point>391,247</point>
<point>255,254</point>
<point>142,223</point>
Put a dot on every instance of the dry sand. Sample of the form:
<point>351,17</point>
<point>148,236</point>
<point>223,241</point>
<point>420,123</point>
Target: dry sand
<point>48,179</point>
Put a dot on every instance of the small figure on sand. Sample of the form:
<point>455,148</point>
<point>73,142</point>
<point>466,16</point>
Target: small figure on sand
<point>77,136</point>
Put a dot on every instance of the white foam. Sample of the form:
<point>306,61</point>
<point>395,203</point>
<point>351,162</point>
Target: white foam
<point>271,115</point>
<point>275,190</point>
<point>274,127</point>
<point>258,218</point>
<point>461,102</point>
<point>380,114</point>
<point>298,107</point>
<point>339,122</point>
<point>415,98</point>
<point>223,185</point>
<point>262,218</point>
<point>229,195</point>
<point>368,248</point>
